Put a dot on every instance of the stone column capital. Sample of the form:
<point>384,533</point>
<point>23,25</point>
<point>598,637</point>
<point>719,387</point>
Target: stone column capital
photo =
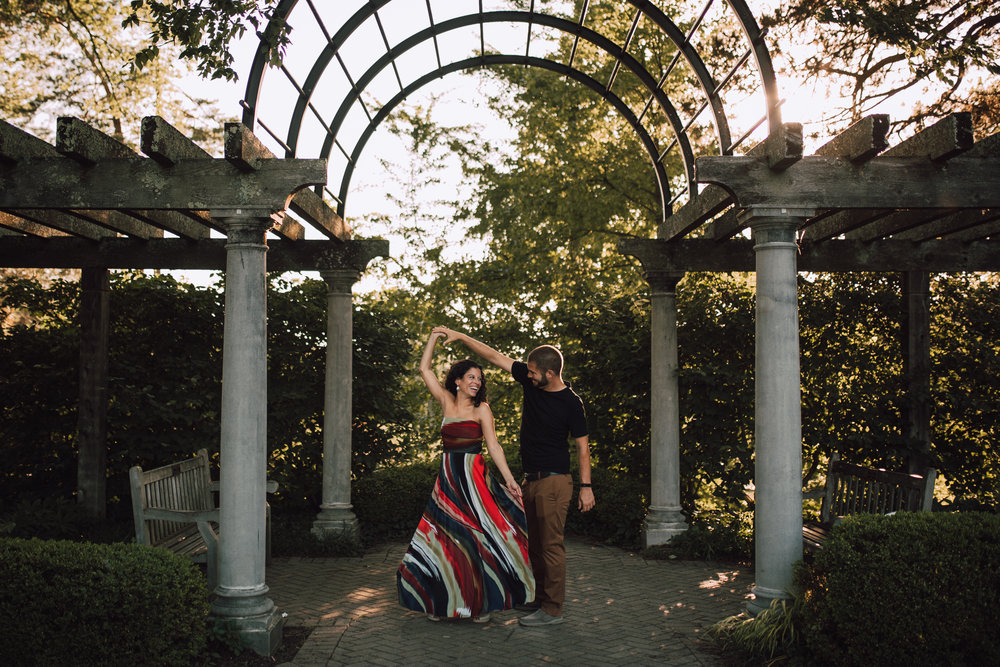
<point>662,281</point>
<point>759,215</point>
<point>245,226</point>
<point>340,281</point>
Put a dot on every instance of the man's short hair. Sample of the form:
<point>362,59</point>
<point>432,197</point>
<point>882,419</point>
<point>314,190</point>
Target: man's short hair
<point>547,358</point>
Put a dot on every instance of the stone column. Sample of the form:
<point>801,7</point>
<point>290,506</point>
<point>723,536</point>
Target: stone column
<point>336,515</point>
<point>92,413</point>
<point>664,519</point>
<point>777,419</point>
<point>242,604</point>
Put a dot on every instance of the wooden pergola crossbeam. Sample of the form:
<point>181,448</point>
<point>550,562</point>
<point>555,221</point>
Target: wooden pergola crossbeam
<point>779,151</point>
<point>883,182</point>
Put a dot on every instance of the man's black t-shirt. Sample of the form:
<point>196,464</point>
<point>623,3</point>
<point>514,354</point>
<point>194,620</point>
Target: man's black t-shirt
<point>548,419</point>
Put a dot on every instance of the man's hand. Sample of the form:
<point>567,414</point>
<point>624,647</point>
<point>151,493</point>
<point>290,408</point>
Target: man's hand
<point>587,501</point>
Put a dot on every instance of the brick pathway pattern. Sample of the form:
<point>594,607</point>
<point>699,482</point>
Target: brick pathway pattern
<point>620,610</point>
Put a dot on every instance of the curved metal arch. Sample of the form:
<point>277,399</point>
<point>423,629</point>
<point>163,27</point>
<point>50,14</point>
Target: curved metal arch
<point>705,80</point>
<point>687,154</point>
<point>482,61</point>
<point>680,40</point>
<point>762,58</point>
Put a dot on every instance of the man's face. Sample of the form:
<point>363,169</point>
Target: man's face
<point>538,378</point>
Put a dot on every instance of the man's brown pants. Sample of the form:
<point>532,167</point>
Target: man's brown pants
<point>546,503</point>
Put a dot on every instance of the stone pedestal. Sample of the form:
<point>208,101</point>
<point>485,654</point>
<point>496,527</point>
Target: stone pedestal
<point>664,519</point>
<point>777,422</point>
<point>242,604</point>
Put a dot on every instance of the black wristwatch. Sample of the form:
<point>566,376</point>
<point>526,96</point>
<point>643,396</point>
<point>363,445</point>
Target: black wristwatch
<point>585,485</point>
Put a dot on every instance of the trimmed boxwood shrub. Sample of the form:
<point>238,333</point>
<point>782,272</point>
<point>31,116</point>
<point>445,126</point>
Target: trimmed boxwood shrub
<point>915,588</point>
<point>71,603</point>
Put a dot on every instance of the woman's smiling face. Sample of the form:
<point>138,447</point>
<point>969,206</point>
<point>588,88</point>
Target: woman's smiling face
<point>470,382</point>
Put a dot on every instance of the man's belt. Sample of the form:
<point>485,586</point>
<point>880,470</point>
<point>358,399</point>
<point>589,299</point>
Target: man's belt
<point>535,476</point>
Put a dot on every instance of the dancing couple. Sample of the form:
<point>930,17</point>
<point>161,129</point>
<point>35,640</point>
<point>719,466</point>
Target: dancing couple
<point>482,544</point>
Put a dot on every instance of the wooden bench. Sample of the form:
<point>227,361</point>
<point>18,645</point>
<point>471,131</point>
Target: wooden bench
<point>852,489</point>
<point>174,507</point>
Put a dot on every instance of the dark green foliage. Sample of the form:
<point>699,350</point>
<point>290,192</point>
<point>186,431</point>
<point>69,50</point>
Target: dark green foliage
<point>39,361</point>
<point>291,535</point>
<point>716,357</point>
<point>390,501</point>
<point>617,517</point>
<point>965,358</point>
<point>911,589</point>
<point>297,330</point>
<point>717,535</point>
<point>66,603</point>
<point>165,367</point>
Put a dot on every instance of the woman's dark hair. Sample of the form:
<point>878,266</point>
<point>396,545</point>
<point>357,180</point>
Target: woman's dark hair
<point>459,369</point>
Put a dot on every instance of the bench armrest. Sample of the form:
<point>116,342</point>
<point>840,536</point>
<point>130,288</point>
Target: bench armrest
<point>188,516</point>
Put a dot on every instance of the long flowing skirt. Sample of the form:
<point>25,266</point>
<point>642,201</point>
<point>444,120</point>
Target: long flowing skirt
<point>469,554</point>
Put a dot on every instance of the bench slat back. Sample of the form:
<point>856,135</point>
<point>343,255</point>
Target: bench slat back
<point>182,486</point>
<point>853,489</point>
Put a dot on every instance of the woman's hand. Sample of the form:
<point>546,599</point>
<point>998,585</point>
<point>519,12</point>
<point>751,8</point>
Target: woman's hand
<point>513,488</point>
<point>445,333</point>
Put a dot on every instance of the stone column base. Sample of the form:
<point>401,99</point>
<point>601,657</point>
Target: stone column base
<point>662,525</point>
<point>260,632</point>
<point>336,522</point>
<point>763,597</point>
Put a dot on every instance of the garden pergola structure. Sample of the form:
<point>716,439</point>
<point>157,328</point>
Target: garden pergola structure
<point>940,219</point>
<point>90,202</point>
<point>928,204</point>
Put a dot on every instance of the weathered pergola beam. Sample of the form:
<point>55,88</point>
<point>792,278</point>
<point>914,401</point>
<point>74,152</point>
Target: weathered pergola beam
<point>897,222</point>
<point>141,183</point>
<point>322,217</point>
<point>16,144</point>
<point>883,182</point>
<point>980,232</point>
<point>166,144</point>
<point>29,227</point>
<point>207,254</point>
<point>120,223</point>
<point>831,256</point>
<point>949,137</point>
<point>950,225</point>
<point>861,141</point>
<point>79,141</point>
<point>173,221</point>
<point>63,222</point>
<point>779,151</point>
<point>246,152</point>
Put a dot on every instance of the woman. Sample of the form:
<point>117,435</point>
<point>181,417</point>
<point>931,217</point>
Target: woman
<point>469,555</point>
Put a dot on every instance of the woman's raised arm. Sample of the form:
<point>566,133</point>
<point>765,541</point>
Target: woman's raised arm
<point>427,373</point>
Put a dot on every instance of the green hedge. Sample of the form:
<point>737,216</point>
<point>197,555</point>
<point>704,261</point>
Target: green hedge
<point>389,502</point>
<point>914,588</point>
<point>69,603</point>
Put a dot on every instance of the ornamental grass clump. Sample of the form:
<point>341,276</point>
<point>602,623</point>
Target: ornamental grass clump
<point>915,588</point>
<point>70,603</point>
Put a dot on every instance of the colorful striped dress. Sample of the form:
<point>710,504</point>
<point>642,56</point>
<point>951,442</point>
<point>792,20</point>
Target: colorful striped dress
<point>469,555</point>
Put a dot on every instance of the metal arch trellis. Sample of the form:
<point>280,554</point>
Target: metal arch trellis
<point>709,87</point>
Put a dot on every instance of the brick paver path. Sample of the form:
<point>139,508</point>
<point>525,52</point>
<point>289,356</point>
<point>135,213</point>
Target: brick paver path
<point>620,609</point>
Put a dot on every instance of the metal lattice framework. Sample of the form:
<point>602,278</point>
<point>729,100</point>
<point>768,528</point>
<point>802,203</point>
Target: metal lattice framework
<point>343,41</point>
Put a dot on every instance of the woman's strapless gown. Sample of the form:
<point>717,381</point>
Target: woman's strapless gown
<point>469,555</point>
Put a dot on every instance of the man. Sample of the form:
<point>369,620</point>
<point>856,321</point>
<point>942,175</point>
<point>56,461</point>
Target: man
<point>551,414</point>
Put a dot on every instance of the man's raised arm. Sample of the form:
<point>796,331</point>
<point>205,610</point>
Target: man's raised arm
<point>477,347</point>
